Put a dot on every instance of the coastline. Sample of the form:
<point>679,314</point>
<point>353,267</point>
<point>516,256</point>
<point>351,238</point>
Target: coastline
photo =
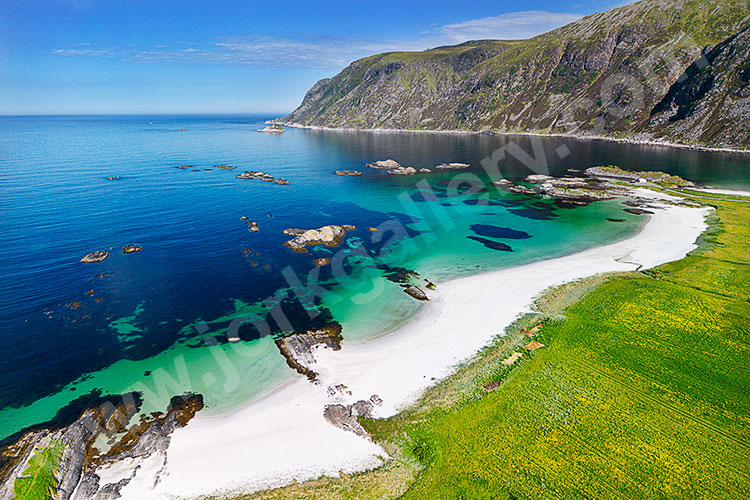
<point>641,142</point>
<point>284,437</point>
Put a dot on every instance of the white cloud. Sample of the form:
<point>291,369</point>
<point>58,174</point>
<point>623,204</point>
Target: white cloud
<point>330,52</point>
<point>511,26</point>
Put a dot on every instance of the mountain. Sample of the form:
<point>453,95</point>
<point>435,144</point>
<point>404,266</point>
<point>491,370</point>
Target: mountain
<point>674,70</point>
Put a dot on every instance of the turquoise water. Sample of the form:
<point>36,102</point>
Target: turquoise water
<point>156,321</point>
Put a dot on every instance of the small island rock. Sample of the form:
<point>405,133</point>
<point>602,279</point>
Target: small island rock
<point>97,256</point>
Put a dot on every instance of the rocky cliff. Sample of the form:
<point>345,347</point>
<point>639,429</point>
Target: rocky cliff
<point>674,70</point>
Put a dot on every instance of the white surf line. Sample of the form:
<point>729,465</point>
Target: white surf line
<point>284,437</point>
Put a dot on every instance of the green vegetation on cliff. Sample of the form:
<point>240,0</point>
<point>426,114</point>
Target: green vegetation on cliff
<point>630,72</point>
<point>640,392</point>
<point>38,481</point>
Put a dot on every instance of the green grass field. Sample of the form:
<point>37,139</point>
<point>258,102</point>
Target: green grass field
<point>38,481</point>
<point>641,392</point>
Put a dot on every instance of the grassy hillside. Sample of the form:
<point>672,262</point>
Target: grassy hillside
<point>640,392</point>
<point>601,75</point>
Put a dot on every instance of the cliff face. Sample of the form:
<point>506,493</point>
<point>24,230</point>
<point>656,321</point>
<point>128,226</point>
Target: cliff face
<point>607,74</point>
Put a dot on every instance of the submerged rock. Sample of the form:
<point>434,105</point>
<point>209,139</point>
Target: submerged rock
<point>347,172</point>
<point>97,256</point>
<point>330,236</point>
<point>225,167</point>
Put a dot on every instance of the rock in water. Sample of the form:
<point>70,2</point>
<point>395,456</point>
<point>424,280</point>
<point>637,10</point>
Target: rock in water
<point>96,256</point>
<point>329,236</point>
<point>323,261</point>
<point>403,171</point>
<point>416,292</point>
<point>131,248</point>
<point>452,166</point>
<point>384,164</point>
<point>347,172</point>
<point>272,128</point>
<point>281,181</point>
<point>538,178</point>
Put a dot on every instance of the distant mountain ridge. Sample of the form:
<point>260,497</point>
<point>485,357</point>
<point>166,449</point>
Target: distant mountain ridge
<point>672,70</point>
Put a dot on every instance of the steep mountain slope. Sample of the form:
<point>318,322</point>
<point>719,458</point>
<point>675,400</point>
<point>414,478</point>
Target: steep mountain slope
<point>604,74</point>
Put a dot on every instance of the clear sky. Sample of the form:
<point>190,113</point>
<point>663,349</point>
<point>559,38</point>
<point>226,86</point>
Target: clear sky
<point>185,56</point>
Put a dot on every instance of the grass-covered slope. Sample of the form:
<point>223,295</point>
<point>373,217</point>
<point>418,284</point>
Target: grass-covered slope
<point>640,392</point>
<point>39,481</point>
<point>601,75</point>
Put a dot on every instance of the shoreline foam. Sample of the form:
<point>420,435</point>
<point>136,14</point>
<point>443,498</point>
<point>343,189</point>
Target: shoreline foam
<point>284,437</point>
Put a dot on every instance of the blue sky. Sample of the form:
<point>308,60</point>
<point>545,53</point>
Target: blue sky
<point>132,56</point>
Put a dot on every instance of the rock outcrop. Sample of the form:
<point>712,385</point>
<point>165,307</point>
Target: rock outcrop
<point>330,236</point>
<point>76,471</point>
<point>272,128</point>
<point>297,348</point>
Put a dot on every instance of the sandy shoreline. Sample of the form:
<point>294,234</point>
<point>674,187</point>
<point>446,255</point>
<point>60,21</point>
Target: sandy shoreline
<point>641,142</point>
<point>284,437</point>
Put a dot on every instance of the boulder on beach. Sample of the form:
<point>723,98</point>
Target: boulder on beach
<point>97,256</point>
<point>416,292</point>
<point>297,348</point>
<point>329,236</point>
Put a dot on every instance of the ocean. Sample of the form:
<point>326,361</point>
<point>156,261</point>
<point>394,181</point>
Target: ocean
<point>157,321</point>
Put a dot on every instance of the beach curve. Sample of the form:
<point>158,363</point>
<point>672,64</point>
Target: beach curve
<point>284,438</point>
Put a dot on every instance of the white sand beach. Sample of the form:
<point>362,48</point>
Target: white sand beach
<point>284,437</point>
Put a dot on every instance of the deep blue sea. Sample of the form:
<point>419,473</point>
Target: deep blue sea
<point>156,321</point>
